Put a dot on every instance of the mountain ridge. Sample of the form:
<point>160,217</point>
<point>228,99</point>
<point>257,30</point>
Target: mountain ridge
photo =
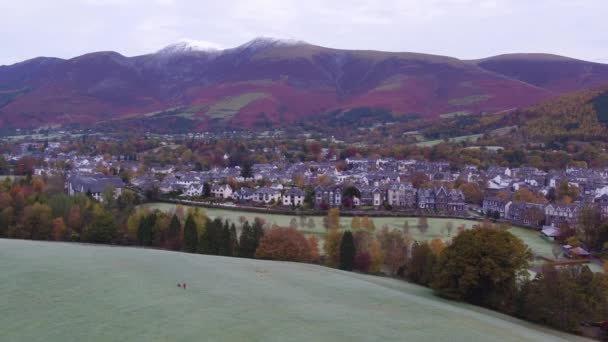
<point>266,82</point>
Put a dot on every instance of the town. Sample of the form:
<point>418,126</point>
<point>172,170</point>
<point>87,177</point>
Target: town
<point>551,201</point>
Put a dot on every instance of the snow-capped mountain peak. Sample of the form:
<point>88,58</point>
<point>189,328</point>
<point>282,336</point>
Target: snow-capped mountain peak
<point>190,46</point>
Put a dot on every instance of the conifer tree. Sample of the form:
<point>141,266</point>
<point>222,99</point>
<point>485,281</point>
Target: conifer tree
<point>190,235</point>
<point>347,251</point>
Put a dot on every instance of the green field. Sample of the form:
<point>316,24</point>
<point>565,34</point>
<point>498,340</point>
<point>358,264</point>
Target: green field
<point>71,292</point>
<point>228,107</point>
<point>437,226</point>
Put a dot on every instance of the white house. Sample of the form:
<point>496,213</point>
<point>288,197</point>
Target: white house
<point>221,191</point>
<point>294,196</point>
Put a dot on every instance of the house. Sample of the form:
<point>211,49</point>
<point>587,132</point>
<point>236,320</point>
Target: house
<point>94,185</point>
<point>524,213</point>
<point>194,190</point>
<point>426,198</point>
<point>602,203</point>
<point>494,205</point>
<point>267,195</point>
<point>221,191</point>
<point>401,195</point>
<point>557,214</point>
<point>243,194</point>
<point>294,196</point>
<point>576,252</point>
<point>328,195</point>
<point>162,169</point>
<point>550,233</point>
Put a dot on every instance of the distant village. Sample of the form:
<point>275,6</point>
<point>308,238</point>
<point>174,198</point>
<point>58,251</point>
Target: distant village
<point>410,187</point>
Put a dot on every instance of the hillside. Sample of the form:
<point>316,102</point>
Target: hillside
<point>70,292</point>
<point>268,83</point>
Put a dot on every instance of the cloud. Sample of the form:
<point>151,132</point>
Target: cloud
<point>460,28</point>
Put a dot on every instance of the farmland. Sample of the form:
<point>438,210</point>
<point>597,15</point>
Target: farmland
<point>71,292</point>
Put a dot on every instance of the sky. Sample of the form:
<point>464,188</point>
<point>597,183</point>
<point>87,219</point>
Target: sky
<point>465,29</point>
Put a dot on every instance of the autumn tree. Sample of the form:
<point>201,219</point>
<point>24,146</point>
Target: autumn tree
<point>286,244</point>
<point>36,222</point>
<point>355,224</point>
<point>313,242</point>
<point>472,193</point>
<point>394,248</point>
<point>525,195</point>
<point>482,266</point>
<point>563,297</point>
<point>347,251</point>
<point>420,265</point>
<point>333,218</point>
<point>332,247</point>
<point>376,256</point>
<point>591,230</point>
<point>566,193</point>
<point>59,229</point>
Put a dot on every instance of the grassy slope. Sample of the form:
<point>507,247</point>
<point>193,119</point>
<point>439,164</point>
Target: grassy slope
<point>68,292</point>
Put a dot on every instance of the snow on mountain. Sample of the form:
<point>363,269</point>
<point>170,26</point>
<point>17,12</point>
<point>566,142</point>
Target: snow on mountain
<point>190,46</point>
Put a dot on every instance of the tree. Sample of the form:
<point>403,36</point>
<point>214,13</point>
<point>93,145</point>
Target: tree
<point>190,235</point>
<point>102,228</point>
<point>590,228</point>
<point>75,219</point>
<point>355,224</point>
<point>437,246</point>
<point>394,247</point>
<point>247,169</point>
<point>332,247</point>
<point>525,195</point>
<point>313,242</point>
<point>376,256</point>
<point>420,266</point>
<point>347,251</point>
<point>566,192</point>
<point>368,224</point>
<point>286,244</point>
<point>173,239</point>
<point>36,222</point>
<point>145,230</point>
<point>59,229</point>
<point>333,218</point>
<point>423,224</point>
<point>449,227</point>
<point>250,238</point>
<point>563,297</point>
<point>472,193</point>
<point>481,266</point>
<point>363,261</point>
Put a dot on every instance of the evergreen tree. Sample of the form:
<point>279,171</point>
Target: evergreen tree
<point>190,235</point>
<point>347,251</point>
<point>250,239</point>
<point>173,233</point>
<point>145,231</point>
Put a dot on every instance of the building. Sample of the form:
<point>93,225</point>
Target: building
<point>494,205</point>
<point>330,196</point>
<point>294,197</point>
<point>267,195</point>
<point>221,191</point>
<point>402,195</point>
<point>558,214</point>
<point>94,185</point>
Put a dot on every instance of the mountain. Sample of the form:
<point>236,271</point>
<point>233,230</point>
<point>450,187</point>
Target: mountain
<point>270,82</point>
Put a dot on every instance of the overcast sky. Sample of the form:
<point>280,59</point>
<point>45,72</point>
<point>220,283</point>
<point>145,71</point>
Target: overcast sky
<point>460,28</point>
